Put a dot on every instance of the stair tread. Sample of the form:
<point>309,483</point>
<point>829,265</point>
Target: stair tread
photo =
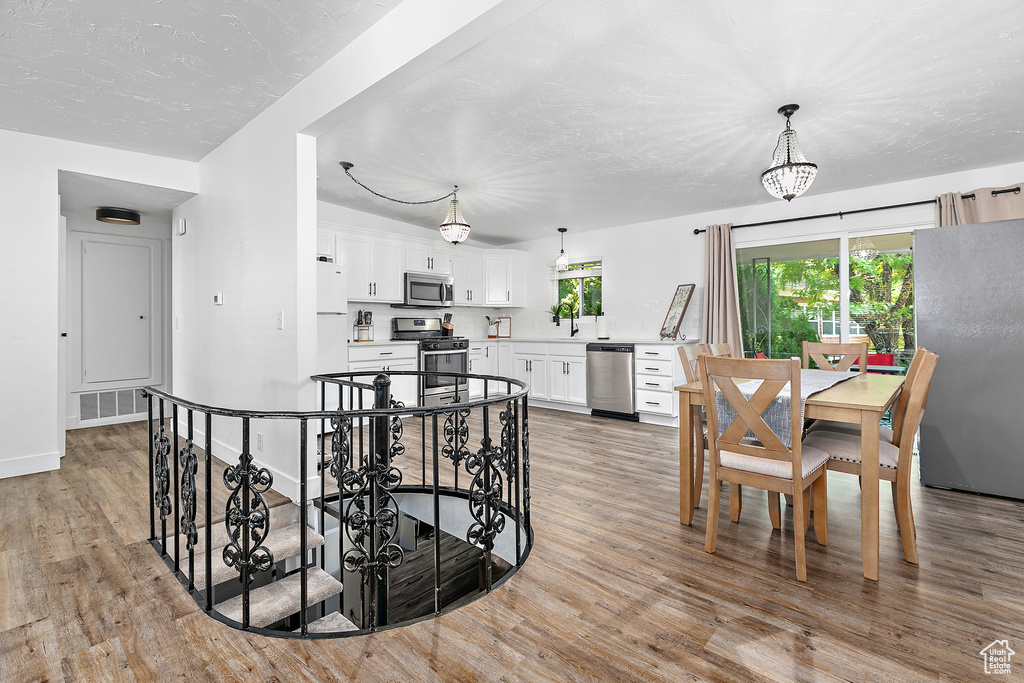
<point>282,543</point>
<point>275,601</point>
<point>334,622</point>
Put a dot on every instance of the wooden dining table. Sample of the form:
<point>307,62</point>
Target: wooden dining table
<point>861,400</point>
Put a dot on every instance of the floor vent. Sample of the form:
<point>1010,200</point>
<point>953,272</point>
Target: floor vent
<point>105,404</point>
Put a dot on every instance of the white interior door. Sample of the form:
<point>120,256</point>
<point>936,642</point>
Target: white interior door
<point>117,316</point>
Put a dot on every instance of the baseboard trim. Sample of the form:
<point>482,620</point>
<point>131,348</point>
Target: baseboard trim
<point>29,464</point>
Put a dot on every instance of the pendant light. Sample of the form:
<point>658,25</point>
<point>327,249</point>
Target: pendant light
<point>454,228</point>
<point>790,174</point>
<point>562,261</point>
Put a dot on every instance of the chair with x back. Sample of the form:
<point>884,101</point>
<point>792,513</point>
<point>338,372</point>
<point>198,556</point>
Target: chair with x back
<point>765,461</point>
<point>848,355</point>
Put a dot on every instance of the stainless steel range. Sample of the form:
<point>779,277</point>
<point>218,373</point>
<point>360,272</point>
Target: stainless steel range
<point>438,353</point>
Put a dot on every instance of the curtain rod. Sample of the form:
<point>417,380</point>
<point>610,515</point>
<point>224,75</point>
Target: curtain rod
<point>697,231</point>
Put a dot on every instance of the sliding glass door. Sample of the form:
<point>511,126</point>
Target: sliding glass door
<point>840,289</point>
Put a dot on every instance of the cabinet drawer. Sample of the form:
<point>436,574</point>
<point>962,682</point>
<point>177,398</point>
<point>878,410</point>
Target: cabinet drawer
<point>660,402</point>
<point>381,353</point>
<point>654,382</point>
<point>660,352</point>
<point>647,366</point>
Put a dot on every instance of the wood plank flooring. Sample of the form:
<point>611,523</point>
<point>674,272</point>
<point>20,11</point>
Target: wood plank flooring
<point>615,589</point>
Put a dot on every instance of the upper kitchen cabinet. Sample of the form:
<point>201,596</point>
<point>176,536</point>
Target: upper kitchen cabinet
<point>428,257</point>
<point>468,274</point>
<point>375,266</point>
<point>503,278</point>
<point>325,244</point>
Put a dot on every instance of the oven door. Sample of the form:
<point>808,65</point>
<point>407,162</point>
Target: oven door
<point>454,361</point>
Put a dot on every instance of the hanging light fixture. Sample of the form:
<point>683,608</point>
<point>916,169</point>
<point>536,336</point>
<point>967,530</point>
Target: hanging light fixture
<point>454,229</point>
<point>790,174</point>
<point>562,261</point>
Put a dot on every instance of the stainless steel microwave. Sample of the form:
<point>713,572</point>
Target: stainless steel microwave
<point>434,291</point>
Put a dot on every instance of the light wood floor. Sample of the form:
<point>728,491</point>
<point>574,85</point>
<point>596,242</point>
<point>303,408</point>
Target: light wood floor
<point>615,590</point>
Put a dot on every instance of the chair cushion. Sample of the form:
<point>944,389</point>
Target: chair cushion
<point>810,457</point>
<point>884,433</point>
<point>846,446</point>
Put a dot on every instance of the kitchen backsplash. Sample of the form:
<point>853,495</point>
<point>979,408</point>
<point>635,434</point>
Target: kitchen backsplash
<point>638,322</point>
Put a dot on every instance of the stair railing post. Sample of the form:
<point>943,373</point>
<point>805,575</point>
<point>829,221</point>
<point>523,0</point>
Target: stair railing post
<point>380,461</point>
<point>244,463</point>
<point>303,516</point>
<point>177,489</point>
<point>437,520</point>
<point>152,491</point>
<point>208,504</point>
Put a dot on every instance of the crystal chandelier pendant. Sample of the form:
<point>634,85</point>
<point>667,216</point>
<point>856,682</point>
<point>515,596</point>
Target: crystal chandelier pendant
<point>790,174</point>
<point>454,229</point>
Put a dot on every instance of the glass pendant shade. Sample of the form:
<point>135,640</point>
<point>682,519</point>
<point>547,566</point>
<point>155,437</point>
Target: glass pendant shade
<point>790,174</point>
<point>562,262</point>
<point>454,228</point>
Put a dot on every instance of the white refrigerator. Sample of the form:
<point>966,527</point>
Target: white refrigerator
<point>331,324</point>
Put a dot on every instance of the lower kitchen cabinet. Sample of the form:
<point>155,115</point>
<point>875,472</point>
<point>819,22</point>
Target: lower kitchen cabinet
<point>388,359</point>
<point>567,379</point>
<point>483,360</point>
<point>658,371</point>
<point>531,368</point>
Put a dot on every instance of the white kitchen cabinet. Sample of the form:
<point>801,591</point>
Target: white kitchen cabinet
<point>658,371</point>
<point>375,268</point>
<point>426,257</point>
<point>388,358</point>
<point>483,360</point>
<point>325,244</point>
<point>468,275</point>
<point>498,274</point>
<point>567,379</point>
<point>532,369</point>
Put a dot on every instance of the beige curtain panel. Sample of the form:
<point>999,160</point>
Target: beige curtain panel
<point>721,317</point>
<point>983,205</point>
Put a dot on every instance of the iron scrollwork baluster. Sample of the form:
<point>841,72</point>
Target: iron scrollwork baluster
<point>161,497</point>
<point>256,525</point>
<point>456,436</point>
<point>341,452</point>
<point>189,466</point>
<point>526,463</point>
<point>397,447</point>
<point>508,436</point>
<point>485,494</point>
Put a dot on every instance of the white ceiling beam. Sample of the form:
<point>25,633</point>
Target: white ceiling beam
<point>412,40</point>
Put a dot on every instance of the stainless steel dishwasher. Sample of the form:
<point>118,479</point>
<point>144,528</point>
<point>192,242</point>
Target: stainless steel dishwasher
<point>611,384</point>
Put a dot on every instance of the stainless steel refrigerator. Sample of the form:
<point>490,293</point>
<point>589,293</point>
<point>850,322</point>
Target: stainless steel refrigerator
<point>969,286</point>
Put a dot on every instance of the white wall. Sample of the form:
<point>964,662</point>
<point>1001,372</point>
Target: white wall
<point>644,262</point>
<point>31,426</point>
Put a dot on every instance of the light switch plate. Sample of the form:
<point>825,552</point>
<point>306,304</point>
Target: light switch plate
<point>218,299</point>
<point>181,226</point>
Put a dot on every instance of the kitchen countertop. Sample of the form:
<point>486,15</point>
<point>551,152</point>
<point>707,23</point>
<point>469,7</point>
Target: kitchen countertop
<point>381,342</point>
<point>594,340</point>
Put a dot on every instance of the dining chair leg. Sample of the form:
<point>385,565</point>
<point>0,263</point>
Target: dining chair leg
<point>789,499</point>
<point>800,533</point>
<point>711,535</point>
<point>906,517</point>
<point>895,502</point>
<point>820,488</point>
<point>774,509</point>
<point>807,507</point>
<point>700,443</point>
<point>735,501</point>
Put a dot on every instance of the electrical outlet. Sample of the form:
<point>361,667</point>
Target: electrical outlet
<point>259,441</point>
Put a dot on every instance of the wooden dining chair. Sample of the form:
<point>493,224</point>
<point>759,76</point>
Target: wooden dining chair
<point>688,355</point>
<point>767,462</point>
<point>723,349</point>
<point>848,355</point>
<point>895,446</point>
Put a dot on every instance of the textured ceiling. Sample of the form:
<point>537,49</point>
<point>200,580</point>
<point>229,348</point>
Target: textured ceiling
<point>173,78</point>
<point>593,113</point>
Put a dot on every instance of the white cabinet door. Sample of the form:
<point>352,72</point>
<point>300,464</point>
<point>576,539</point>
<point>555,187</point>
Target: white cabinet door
<point>440,256</point>
<point>468,274</point>
<point>532,368</point>
<point>568,379</point>
<point>426,257</point>
<point>387,268</point>
<point>404,388</point>
<point>355,256</point>
<point>325,243</point>
<point>499,283</point>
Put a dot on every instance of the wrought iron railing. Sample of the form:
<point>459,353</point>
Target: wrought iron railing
<point>373,472</point>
